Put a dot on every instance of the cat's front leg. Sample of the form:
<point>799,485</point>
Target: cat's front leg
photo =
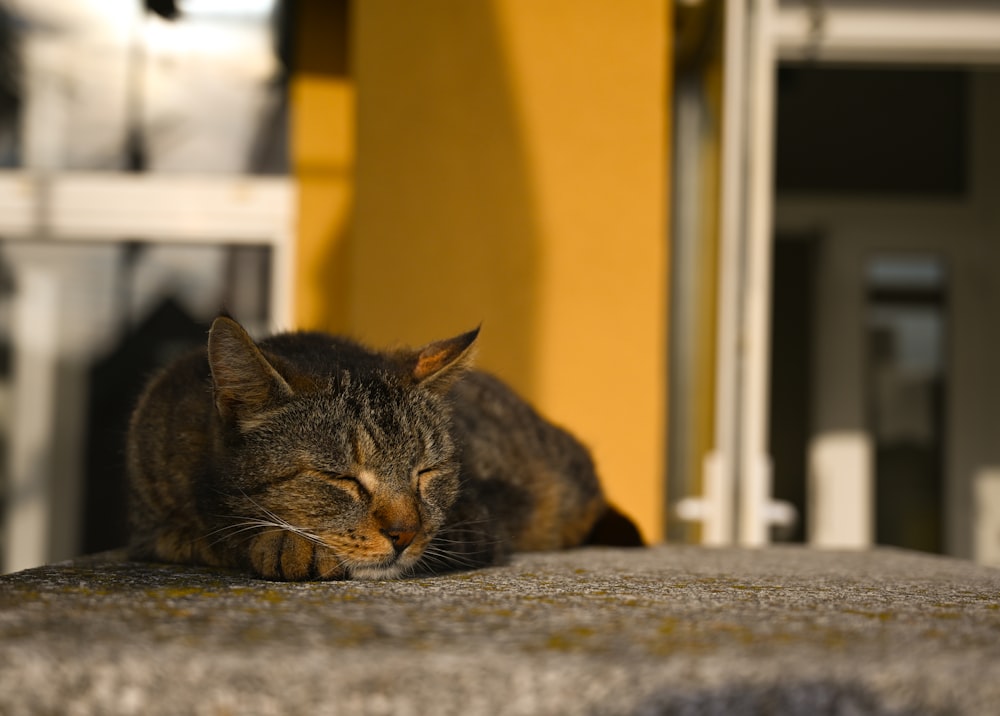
<point>284,555</point>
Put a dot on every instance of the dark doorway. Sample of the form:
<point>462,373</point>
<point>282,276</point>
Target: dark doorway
<point>791,374</point>
<point>906,313</point>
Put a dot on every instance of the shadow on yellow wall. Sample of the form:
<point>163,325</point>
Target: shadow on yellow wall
<point>446,228</point>
<point>323,149</point>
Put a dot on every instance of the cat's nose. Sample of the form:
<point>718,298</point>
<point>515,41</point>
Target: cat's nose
<point>401,536</point>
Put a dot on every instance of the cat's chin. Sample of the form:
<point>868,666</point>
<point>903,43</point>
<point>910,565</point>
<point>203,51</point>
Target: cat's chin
<point>377,572</point>
<point>388,568</point>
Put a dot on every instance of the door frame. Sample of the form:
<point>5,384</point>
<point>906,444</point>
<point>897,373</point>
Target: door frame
<point>738,503</point>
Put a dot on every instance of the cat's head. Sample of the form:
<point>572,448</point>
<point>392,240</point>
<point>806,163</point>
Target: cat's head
<point>349,449</point>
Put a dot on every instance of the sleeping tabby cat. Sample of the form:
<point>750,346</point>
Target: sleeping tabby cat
<point>308,456</point>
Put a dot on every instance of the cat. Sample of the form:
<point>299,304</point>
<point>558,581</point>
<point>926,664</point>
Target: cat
<point>309,456</point>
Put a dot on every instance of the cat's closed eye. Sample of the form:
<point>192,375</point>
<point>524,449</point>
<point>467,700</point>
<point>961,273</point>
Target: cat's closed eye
<point>346,481</point>
<point>425,474</point>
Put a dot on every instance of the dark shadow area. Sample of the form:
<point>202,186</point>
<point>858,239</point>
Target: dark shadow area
<point>115,383</point>
<point>906,381</point>
<point>10,89</point>
<point>811,698</point>
<point>791,378</point>
<point>868,131</point>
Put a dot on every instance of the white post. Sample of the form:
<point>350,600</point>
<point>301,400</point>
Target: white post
<point>841,500</point>
<point>28,517</point>
<point>754,469</point>
<point>719,469</point>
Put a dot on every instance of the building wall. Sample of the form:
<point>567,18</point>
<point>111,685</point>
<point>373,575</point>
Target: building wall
<point>510,170</point>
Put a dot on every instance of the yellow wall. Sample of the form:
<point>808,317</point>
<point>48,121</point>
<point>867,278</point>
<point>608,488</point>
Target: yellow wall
<point>511,170</point>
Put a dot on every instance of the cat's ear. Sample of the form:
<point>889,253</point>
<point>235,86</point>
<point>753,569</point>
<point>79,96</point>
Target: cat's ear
<point>243,380</point>
<point>438,364</point>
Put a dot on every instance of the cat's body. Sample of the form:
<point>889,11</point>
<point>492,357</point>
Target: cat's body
<point>309,456</point>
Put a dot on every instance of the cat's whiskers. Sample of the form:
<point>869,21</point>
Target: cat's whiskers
<point>281,523</point>
<point>437,563</point>
<point>458,548</point>
<point>254,525</point>
<point>250,528</point>
<point>455,532</point>
<point>446,554</point>
<point>464,537</point>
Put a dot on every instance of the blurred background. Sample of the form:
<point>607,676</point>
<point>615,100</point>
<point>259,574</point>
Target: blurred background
<point>747,250</point>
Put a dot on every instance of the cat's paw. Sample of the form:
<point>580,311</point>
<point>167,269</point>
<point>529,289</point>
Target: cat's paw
<point>283,555</point>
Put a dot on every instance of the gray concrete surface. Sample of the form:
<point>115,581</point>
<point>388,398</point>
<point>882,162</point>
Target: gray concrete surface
<point>668,630</point>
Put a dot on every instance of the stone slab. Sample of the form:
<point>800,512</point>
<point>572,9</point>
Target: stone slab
<point>666,630</point>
